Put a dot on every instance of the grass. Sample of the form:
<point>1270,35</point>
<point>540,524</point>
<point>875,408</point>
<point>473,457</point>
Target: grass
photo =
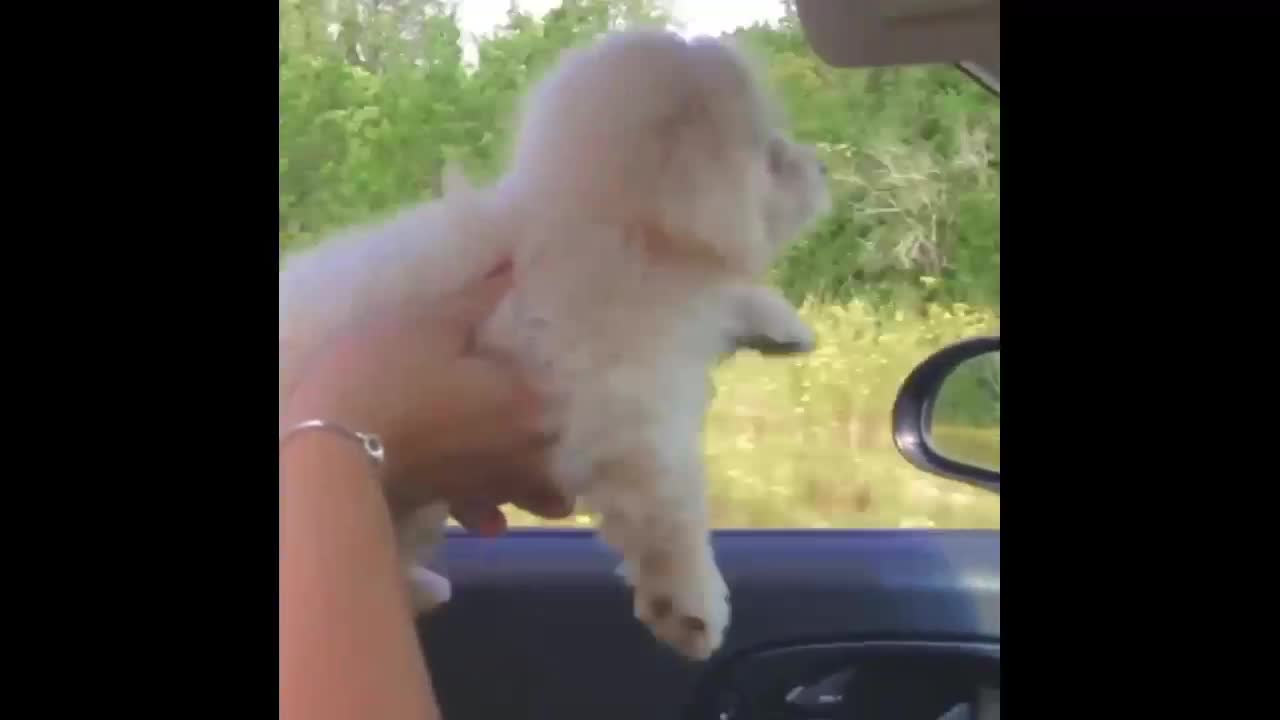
<point>805,442</point>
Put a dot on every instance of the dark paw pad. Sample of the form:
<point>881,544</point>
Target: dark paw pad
<point>768,346</point>
<point>693,624</point>
<point>661,607</point>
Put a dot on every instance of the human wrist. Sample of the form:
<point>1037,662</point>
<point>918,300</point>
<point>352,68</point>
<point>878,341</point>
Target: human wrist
<point>335,418</point>
<point>324,448</point>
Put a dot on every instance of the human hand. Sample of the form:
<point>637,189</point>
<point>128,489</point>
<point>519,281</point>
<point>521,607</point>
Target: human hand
<point>458,426</point>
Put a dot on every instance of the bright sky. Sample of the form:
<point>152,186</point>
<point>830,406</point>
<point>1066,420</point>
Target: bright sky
<point>700,17</point>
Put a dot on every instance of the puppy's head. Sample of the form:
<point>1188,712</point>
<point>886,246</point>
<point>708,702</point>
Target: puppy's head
<point>646,128</point>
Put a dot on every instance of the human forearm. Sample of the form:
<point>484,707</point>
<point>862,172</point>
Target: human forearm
<point>347,643</point>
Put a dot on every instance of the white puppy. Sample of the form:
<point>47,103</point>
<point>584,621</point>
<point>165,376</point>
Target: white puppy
<point>651,187</point>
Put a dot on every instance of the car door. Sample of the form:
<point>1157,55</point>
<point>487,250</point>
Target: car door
<point>893,624</point>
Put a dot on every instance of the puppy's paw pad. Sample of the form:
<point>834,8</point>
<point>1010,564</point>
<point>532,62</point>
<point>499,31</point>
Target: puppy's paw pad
<point>692,624</point>
<point>796,340</point>
<point>660,607</point>
<point>769,346</point>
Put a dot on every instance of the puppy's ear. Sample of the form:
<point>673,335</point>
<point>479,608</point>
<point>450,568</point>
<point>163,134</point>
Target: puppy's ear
<point>763,320</point>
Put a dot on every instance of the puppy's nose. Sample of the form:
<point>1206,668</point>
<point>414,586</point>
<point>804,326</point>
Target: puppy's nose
<point>822,167</point>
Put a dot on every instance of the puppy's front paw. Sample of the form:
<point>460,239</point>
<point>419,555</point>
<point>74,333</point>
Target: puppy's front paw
<point>689,614</point>
<point>767,323</point>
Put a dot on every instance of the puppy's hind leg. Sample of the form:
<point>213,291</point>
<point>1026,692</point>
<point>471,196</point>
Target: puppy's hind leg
<point>420,533</point>
<point>653,511</point>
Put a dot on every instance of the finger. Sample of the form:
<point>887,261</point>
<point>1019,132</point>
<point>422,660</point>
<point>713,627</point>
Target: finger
<point>480,518</point>
<point>492,481</point>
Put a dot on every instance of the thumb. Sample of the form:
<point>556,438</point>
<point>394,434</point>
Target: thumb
<point>482,519</point>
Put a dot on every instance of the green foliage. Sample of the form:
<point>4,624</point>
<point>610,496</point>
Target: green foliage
<point>376,95</point>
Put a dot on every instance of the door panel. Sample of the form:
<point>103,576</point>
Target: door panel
<point>540,627</point>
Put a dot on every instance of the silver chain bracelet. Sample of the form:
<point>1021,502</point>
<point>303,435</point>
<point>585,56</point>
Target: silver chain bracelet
<point>371,443</point>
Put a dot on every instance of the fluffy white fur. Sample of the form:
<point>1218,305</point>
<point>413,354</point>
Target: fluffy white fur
<point>652,185</point>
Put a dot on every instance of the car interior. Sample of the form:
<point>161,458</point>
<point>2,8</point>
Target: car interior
<point>827,624</point>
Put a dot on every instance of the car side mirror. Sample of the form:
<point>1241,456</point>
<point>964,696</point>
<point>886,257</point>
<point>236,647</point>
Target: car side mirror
<point>946,418</point>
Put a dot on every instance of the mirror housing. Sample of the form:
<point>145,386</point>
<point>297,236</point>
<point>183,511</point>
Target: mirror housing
<point>965,376</point>
<point>881,33</point>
